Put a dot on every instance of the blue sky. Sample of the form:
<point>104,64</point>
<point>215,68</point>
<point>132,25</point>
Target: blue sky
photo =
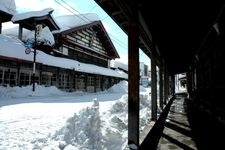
<point>118,37</point>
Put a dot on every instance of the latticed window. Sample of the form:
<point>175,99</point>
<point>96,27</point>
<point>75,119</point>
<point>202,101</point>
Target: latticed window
<point>90,81</point>
<point>24,79</point>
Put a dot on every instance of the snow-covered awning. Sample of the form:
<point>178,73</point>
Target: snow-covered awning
<point>30,19</point>
<point>14,48</point>
<point>7,10</point>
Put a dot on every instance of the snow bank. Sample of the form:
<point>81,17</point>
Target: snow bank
<point>19,92</point>
<point>68,124</point>
<point>89,129</point>
<point>122,87</point>
<point>83,129</point>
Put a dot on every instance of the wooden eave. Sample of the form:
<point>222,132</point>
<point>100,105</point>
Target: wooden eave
<point>46,20</point>
<point>4,16</point>
<point>101,34</point>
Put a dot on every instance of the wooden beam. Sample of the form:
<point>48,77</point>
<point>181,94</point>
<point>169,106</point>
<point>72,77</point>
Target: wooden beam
<point>133,81</point>
<point>153,88</point>
<point>161,86</point>
<point>166,82</point>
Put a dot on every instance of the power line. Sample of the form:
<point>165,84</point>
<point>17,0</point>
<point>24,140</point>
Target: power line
<point>119,42</point>
<point>87,20</point>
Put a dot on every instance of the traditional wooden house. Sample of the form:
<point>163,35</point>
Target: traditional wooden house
<point>79,59</point>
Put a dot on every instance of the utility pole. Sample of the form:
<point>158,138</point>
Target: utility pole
<point>37,31</point>
<point>34,60</point>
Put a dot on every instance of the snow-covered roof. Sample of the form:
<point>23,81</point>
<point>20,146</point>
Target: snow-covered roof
<point>30,14</point>
<point>70,21</point>
<point>8,7</point>
<point>29,19</point>
<point>14,48</point>
<point>65,22</point>
<point>117,64</point>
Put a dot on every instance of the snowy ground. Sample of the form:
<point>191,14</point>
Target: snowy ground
<point>49,119</point>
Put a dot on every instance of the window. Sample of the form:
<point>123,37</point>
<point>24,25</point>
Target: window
<point>90,81</point>
<point>24,79</point>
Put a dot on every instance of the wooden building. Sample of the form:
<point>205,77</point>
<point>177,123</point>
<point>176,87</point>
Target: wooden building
<point>86,45</point>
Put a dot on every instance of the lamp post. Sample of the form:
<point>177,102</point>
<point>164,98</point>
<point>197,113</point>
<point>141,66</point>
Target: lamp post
<point>37,31</point>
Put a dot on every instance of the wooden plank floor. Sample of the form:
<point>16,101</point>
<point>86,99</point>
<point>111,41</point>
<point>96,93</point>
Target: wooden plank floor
<point>177,132</point>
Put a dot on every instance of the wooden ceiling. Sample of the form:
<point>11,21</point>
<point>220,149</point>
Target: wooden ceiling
<point>172,31</point>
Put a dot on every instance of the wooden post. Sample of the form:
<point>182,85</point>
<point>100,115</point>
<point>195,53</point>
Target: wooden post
<point>0,26</point>
<point>133,80</point>
<point>20,32</point>
<point>165,86</point>
<point>153,88</point>
<point>161,86</point>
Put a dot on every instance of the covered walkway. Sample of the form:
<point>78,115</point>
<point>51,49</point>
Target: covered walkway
<point>172,130</point>
<point>178,37</point>
<point>177,133</point>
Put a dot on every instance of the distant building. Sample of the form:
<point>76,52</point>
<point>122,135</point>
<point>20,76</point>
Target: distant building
<point>143,69</point>
<point>78,60</point>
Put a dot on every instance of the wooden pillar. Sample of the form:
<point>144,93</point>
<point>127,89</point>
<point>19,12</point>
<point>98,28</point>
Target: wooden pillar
<point>161,86</point>
<point>101,82</point>
<point>57,77</point>
<point>153,89</point>
<point>0,26</point>
<point>85,82</point>
<point>165,86</point>
<point>133,80</point>
<point>40,74</point>
<point>20,32</point>
<point>75,80</point>
<point>18,74</point>
<point>173,85</point>
<point>71,74</point>
<point>95,84</point>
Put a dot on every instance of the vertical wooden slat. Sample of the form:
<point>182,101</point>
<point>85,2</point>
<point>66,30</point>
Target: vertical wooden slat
<point>133,82</point>
<point>153,88</point>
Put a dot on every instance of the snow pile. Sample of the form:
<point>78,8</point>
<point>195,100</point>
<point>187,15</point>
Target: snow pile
<point>19,92</point>
<point>45,37</point>
<point>83,130</point>
<point>119,88</point>
<point>89,129</point>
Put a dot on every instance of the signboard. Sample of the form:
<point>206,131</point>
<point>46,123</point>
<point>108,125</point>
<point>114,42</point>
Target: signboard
<point>27,51</point>
<point>39,29</point>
